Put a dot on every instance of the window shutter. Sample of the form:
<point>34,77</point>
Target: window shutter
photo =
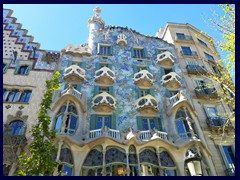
<point>96,90</point>
<point>157,52</point>
<point>28,69</point>
<point>69,63</point>
<point>5,68</point>
<point>113,121</point>
<point>139,123</point>
<point>157,123</point>
<point>145,53</point>
<point>148,69</point>
<point>135,69</point>
<point>138,92</point>
<point>16,69</point>
<point>151,92</point>
<point>110,66</point>
<point>97,66</point>
<point>111,91</point>
<point>83,65</point>
<point>79,87</point>
<point>132,51</point>
<point>98,49</point>
<point>162,71</point>
<point>93,121</point>
<point>111,51</point>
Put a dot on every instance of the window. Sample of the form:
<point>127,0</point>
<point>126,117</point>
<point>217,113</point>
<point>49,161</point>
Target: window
<point>180,36</point>
<point>182,124</point>
<point>22,69</point>
<point>215,70</point>
<point>17,127</point>
<point>201,86</point>
<point>144,92</point>
<point>213,116</point>
<point>140,53</point>
<point>168,166</point>
<point>70,125</point>
<point>186,51</point>
<point>144,123</point>
<point>65,167</point>
<point>5,67</point>
<point>13,96</point>
<point>80,64</point>
<point>228,154</point>
<point>209,57</point>
<point>160,50</point>
<point>5,93</point>
<point>103,121</point>
<point>103,89</point>
<point>166,71</point>
<point>202,43</point>
<point>192,63</point>
<point>25,96</point>
<point>105,50</point>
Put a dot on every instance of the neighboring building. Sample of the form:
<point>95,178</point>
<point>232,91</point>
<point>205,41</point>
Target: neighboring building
<point>126,106</point>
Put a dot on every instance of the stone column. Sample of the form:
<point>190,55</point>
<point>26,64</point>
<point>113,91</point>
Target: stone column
<point>60,143</point>
<point>159,163</point>
<point>64,118</point>
<point>128,168</point>
<point>139,167</point>
<point>104,173</point>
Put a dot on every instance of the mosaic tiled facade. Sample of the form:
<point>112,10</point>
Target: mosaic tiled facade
<point>124,107</point>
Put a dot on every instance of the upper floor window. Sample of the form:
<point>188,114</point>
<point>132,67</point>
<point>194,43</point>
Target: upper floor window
<point>17,127</point>
<point>182,124</point>
<point>186,51</point>
<point>180,36</point>
<point>68,126</point>
<point>5,67</point>
<point>202,43</point>
<point>103,89</point>
<point>144,92</point>
<point>25,96</point>
<point>144,123</point>
<point>100,121</point>
<point>100,89</point>
<point>209,57</point>
<point>13,96</point>
<point>24,69</point>
<point>228,154</point>
<point>140,53</point>
<point>160,50</point>
<point>105,49</point>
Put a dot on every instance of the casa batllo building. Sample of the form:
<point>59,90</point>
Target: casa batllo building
<point>124,107</point>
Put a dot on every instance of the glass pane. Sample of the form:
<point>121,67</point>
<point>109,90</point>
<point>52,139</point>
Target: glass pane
<point>16,127</point>
<point>170,172</point>
<point>67,171</point>
<point>145,124</point>
<point>212,111</point>
<point>73,124</point>
<point>229,155</point>
<point>180,126</point>
<point>107,121</point>
<point>28,96</point>
<point>152,125</point>
<point>99,122</point>
<point>58,123</point>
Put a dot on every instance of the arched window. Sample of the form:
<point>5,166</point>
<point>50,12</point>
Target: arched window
<point>133,162</point>
<point>167,164</point>
<point>70,125</point>
<point>182,124</point>
<point>92,165</point>
<point>149,163</point>
<point>17,127</point>
<point>65,167</point>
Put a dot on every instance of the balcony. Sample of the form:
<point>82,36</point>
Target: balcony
<point>74,75</point>
<point>185,38</point>
<point>206,93</point>
<point>165,59</point>
<point>220,124</point>
<point>196,69</point>
<point>192,54</point>
<point>105,132</point>
<point>105,76</point>
<point>143,79</point>
<point>78,51</point>
<point>72,91</point>
<point>147,105</point>
<point>104,102</point>
<point>171,81</point>
<point>148,135</point>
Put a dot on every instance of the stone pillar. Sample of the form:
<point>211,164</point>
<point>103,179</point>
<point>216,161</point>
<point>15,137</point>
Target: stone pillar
<point>128,168</point>
<point>139,167</point>
<point>104,173</point>
<point>60,143</point>
<point>159,163</point>
<point>64,118</point>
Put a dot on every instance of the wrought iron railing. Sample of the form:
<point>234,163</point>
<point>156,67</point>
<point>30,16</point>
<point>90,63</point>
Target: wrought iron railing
<point>196,69</point>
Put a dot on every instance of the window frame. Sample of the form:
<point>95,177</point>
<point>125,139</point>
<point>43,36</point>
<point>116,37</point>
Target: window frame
<point>188,50</point>
<point>202,43</point>
<point>209,57</point>
<point>109,49</point>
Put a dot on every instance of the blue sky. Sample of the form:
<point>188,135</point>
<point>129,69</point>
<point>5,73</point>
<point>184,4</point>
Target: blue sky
<point>56,25</point>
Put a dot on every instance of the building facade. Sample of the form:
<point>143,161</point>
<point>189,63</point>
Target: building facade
<point>126,107</point>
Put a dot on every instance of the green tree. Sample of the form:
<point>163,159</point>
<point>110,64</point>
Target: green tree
<point>41,161</point>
